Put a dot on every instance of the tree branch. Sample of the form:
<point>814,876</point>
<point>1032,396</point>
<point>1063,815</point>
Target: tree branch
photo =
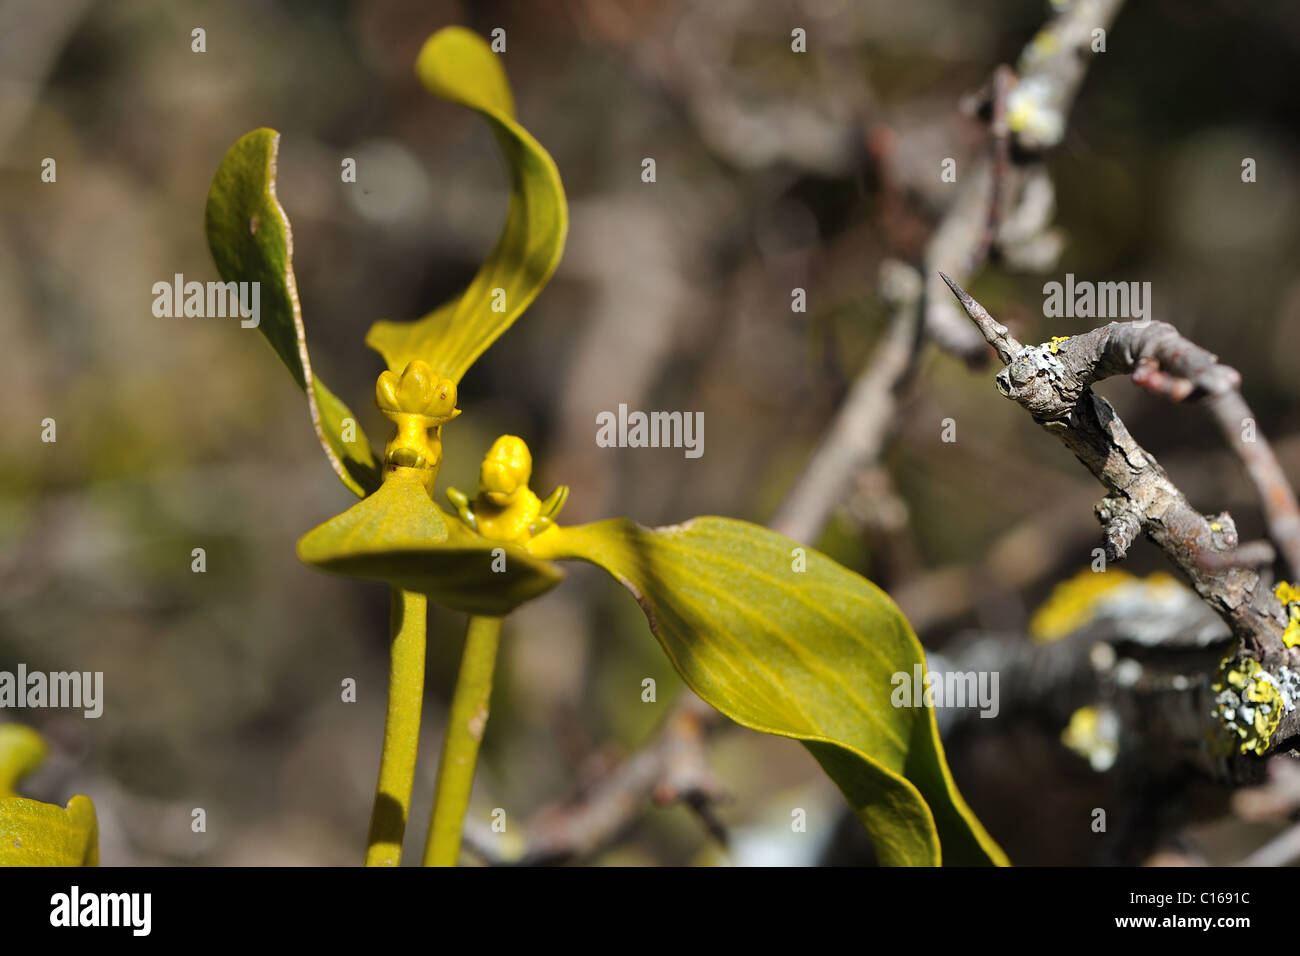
<point>671,768</point>
<point>1053,383</point>
<point>967,235</point>
<point>858,434</point>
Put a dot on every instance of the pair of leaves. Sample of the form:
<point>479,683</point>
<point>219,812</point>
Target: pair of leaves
<point>34,833</point>
<point>251,240</point>
<point>808,654</point>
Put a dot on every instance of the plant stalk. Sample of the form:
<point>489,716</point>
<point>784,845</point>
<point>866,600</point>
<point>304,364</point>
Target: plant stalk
<point>401,728</point>
<point>465,726</point>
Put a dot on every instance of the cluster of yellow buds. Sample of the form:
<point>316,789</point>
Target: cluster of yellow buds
<point>418,403</point>
<point>506,509</point>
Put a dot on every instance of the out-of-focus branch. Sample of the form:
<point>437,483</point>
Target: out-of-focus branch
<point>1252,554</point>
<point>1276,495</point>
<point>1283,850</point>
<point>1039,97</point>
<point>967,235</point>
<point>1278,798</point>
<point>1003,82</point>
<point>858,433</point>
<point>671,768</point>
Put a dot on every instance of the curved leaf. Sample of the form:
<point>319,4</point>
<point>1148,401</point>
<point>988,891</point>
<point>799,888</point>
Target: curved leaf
<point>22,750</point>
<point>251,241</point>
<point>806,654</point>
<point>458,65</point>
<point>399,536</point>
<point>34,833</point>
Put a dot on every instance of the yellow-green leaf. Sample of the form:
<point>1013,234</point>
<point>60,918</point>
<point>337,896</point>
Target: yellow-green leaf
<point>458,65</point>
<point>399,536</point>
<point>809,654</point>
<point>251,241</point>
<point>21,751</point>
<point>34,833</point>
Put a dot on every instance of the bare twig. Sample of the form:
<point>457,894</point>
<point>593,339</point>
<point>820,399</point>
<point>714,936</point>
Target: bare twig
<point>859,431</point>
<point>1252,554</point>
<point>1053,383</point>
<point>671,768</point>
<point>1278,498</point>
<point>1164,362</point>
<point>1280,851</point>
<point>966,235</point>
<point>1004,78</point>
<point>1055,63</point>
<point>1122,523</point>
<point>1049,74</point>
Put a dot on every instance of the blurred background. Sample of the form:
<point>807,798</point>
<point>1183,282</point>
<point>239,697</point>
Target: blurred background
<point>774,171</point>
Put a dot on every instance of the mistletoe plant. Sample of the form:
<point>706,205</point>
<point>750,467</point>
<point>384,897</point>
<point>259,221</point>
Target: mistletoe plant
<point>779,638</point>
<point>34,833</point>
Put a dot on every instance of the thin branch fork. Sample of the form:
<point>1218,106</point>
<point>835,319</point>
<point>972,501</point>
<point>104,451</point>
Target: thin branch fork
<point>1053,383</point>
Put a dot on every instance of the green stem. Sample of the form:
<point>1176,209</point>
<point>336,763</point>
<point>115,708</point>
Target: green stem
<point>465,725</point>
<point>401,729</point>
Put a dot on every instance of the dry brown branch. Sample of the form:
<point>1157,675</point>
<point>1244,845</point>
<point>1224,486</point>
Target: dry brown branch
<point>1276,495</point>
<point>1003,81</point>
<point>1252,554</point>
<point>858,433</point>
<point>1053,383</point>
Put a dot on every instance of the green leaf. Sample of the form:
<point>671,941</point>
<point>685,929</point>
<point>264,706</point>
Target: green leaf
<point>458,65</point>
<point>22,750</point>
<point>34,833</point>
<point>251,241</point>
<point>399,536</point>
<point>806,654</point>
